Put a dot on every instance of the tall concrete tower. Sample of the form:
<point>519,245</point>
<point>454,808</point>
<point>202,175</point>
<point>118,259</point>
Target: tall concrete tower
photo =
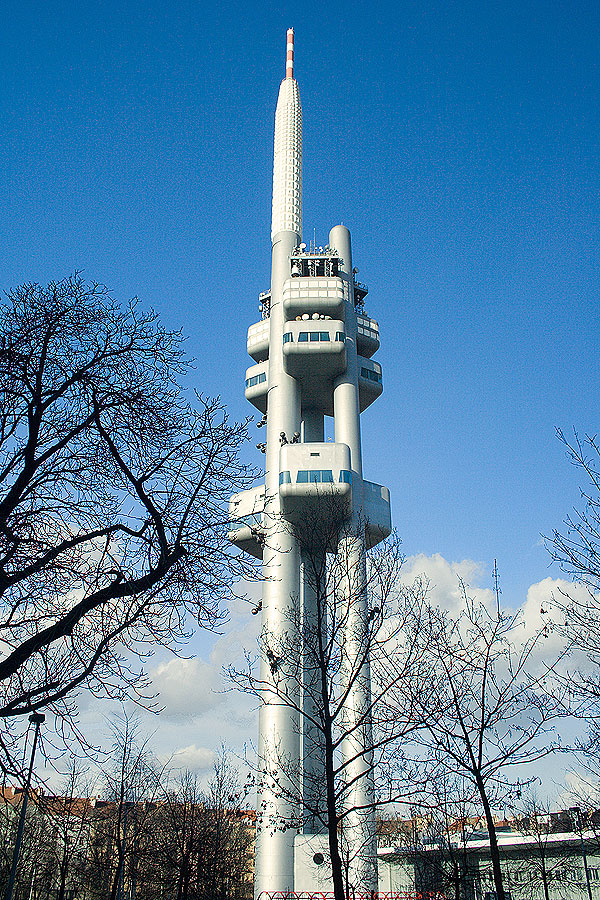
<point>313,350</point>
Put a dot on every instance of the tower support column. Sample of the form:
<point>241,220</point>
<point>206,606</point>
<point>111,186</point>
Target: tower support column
<point>360,832</point>
<point>278,814</point>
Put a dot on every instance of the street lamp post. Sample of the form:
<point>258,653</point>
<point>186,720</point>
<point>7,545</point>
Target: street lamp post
<point>577,811</point>
<point>35,719</point>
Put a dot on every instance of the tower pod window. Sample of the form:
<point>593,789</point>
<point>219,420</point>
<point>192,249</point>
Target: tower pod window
<point>305,336</point>
<point>345,477</point>
<point>256,379</point>
<point>340,336</point>
<point>285,478</point>
<point>314,476</point>
<point>288,336</point>
<point>371,375</point>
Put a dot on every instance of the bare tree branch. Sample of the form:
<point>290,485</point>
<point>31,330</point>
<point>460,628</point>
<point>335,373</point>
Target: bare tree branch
<point>113,499</point>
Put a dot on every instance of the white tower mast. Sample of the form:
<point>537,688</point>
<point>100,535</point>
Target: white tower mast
<point>313,350</point>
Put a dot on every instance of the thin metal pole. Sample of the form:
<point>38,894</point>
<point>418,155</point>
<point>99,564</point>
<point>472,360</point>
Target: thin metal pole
<point>36,718</point>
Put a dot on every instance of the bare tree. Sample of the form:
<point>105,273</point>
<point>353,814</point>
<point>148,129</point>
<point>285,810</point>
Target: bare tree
<point>540,861</point>
<point>112,499</point>
<point>447,812</point>
<point>223,864</point>
<point>182,825</point>
<point>124,827</point>
<point>206,837</point>
<point>33,868</point>
<point>482,709</point>
<point>68,822</point>
<point>578,553</point>
<point>313,673</point>
<point>578,550</point>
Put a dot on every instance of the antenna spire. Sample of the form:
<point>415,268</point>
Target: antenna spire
<point>497,588</point>
<point>287,157</point>
<point>289,60</point>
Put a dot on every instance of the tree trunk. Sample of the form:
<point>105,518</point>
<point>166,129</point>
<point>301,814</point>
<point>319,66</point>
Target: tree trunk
<point>545,882</point>
<point>456,875</point>
<point>179,893</point>
<point>337,873</point>
<point>494,851</point>
<point>63,882</point>
<point>119,874</point>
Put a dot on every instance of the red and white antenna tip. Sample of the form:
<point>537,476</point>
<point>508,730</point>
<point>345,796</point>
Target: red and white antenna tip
<point>289,60</point>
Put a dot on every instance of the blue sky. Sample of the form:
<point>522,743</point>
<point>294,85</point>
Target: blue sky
<point>457,140</point>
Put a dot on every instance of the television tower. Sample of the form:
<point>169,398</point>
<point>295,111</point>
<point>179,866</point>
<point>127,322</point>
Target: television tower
<point>313,351</point>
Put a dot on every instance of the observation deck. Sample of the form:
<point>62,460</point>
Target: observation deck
<point>245,525</point>
<point>378,513</point>
<point>257,342</point>
<point>370,381</point>
<point>367,335</point>
<point>313,478</point>
<point>315,485</point>
<point>325,296</point>
<point>314,347</point>
<point>257,385</point>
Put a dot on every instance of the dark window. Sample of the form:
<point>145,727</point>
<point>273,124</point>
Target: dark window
<point>302,476</point>
<point>371,375</point>
<point>303,336</point>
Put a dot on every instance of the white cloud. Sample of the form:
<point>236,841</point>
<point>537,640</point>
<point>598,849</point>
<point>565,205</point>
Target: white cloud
<point>445,580</point>
<point>201,713</point>
<point>190,689</point>
<point>580,789</point>
<point>196,759</point>
<point>187,687</point>
<point>542,612</point>
<point>241,637</point>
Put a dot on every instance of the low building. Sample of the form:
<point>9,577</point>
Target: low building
<point>537,862</point>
